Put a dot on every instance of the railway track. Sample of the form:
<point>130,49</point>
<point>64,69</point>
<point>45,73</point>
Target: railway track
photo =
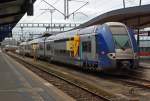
<point>96,92</point>
<point>92,89</point>
<point>137,82</point>
<point>144,66</point>
<point>132,80</point>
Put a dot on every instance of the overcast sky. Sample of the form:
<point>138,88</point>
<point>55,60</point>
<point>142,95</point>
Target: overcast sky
<point>91,10</point>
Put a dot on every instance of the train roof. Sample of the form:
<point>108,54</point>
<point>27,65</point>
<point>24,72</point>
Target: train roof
<point>63,35</point>
<point>81,31</point>
<point>72,33</point>
<point>114,23</point>
<point>88,30</point>
<point>37,40</point>
<point>23,43</point>
<point>34,41</point>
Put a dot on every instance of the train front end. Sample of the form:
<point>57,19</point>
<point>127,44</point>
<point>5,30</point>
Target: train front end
<point>117,46</point>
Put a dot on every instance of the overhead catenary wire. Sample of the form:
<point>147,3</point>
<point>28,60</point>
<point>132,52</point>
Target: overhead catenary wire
<point>66,7</point>
<point>56,2</point>
<point>53,7</point>
<point>39,15</point>
<point>78,9</point>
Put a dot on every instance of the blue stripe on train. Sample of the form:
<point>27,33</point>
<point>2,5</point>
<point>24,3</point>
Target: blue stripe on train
<point>105,45</point>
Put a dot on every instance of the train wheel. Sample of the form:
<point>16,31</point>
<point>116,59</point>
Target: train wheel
<point>49,60</point>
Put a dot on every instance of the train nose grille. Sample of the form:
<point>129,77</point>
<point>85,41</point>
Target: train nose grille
<point>123,64</point>
<point>126,54</point>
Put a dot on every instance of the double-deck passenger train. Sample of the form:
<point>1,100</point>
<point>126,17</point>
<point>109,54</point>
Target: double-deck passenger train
<point>99,47</point>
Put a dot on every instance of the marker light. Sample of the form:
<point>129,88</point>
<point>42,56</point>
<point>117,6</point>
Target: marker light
<point>102,52</point>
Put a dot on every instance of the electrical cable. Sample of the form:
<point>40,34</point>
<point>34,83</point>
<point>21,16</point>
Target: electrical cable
<point>38,15</point>
<point>56,2</point>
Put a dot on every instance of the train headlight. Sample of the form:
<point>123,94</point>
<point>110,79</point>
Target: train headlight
<point>112,55</point>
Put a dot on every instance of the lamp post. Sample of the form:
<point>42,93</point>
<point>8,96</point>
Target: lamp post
<point>138,36</point>
<point>124,4</point>
<point>51,12</point>
<point>140,2</point>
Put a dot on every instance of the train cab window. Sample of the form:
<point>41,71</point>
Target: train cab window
<point>120,36</point>
<point>86,46</point>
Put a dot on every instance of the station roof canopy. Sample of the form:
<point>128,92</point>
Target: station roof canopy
<point>130,16</point>
<point>11,11</point>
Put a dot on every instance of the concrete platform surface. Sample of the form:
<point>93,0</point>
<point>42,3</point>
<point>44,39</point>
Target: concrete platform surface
<point>20,84</point>
<point>145,63</point>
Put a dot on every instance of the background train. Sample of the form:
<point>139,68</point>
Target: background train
<point>99,47</point>
<point>144,48</point>
<point>9,44</point>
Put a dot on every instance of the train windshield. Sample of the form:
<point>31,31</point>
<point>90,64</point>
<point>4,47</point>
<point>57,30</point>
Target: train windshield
<point>120,36</point>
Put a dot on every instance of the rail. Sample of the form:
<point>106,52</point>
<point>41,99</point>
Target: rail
<point>104,95</point>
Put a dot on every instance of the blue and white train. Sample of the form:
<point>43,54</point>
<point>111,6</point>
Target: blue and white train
<point>100,47</point>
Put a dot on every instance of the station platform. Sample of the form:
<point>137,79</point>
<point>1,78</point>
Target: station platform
<point>20,84</point>
<point>145,63</point>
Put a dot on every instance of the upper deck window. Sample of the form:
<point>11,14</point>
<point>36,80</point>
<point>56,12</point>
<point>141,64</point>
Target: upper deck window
<point>86,46</point>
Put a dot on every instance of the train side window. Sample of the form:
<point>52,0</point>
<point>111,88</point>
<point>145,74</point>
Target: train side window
<point>86,46</point>
<point>62,52</point>
<point>41,47</point>
<point>48,46</point>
